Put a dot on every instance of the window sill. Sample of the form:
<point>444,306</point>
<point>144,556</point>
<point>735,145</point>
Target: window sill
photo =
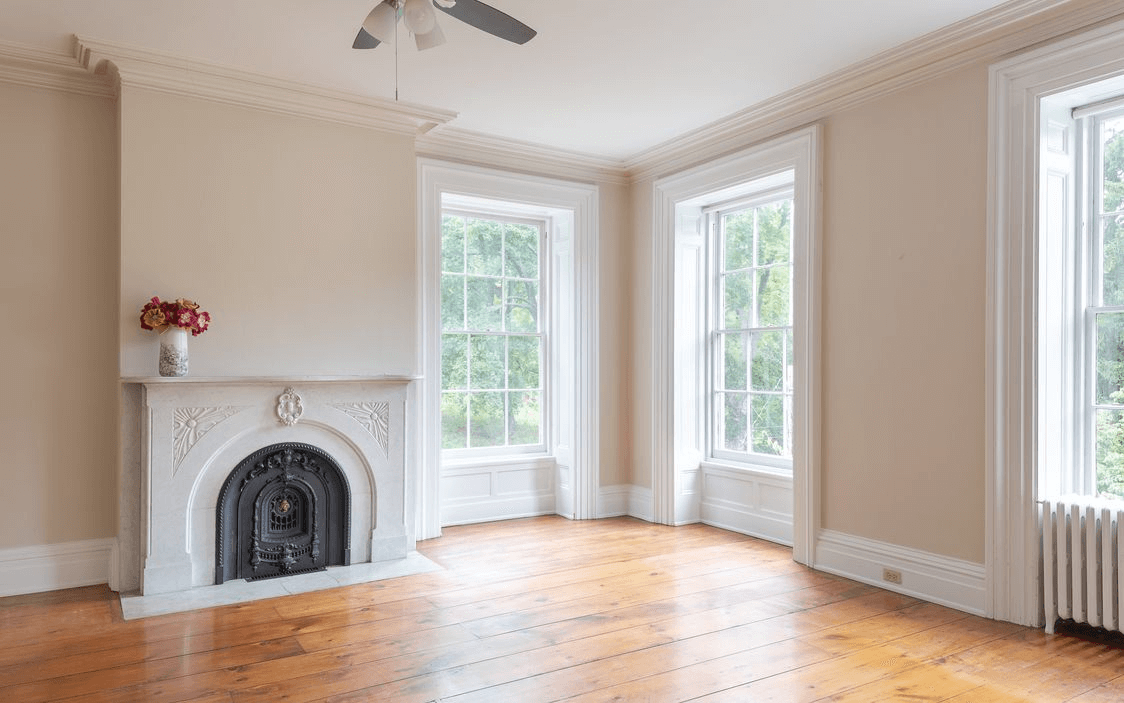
<point>756,470</point>
<point>475,462</point>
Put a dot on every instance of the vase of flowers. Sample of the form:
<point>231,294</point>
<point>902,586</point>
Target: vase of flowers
<point>173,320</point>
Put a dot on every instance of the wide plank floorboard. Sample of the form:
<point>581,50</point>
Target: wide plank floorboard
<point>546,609</point>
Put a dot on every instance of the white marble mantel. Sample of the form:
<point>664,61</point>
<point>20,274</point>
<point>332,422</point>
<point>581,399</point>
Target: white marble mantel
<point>181,437</point>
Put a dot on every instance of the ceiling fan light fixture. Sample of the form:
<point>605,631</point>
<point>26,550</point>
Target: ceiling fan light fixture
<point>419,16</point>
<point>432,38</point>
<point>381,23</point>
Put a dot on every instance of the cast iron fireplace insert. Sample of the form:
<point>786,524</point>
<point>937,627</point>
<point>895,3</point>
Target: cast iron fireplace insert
<point>285,509</point>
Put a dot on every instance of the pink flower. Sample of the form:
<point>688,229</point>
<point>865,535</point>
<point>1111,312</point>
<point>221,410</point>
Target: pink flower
<point>185,318</point>
<point>159,315</point>
<point>202,322</point>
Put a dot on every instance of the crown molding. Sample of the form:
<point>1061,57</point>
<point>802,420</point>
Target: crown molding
<point>39,68</point>
<point>464,146</point>
<point>159,71</point>
<point>1005,29</point>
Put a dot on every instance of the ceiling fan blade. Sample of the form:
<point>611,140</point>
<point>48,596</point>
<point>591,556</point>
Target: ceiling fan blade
<point>363,40</point>
<point>490,20</point>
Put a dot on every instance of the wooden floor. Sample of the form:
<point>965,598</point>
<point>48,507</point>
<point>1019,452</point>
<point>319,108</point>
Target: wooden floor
<point>546,609</point>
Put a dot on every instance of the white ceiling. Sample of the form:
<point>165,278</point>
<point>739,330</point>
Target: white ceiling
<point>609,78</point>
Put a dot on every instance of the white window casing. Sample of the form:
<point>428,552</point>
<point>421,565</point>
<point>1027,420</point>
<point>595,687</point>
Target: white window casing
<point>573,439</point>
<point>679,293</point>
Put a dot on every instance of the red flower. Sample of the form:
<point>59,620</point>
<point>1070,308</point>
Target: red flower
<point>202,322</point>
<point>160,315</point>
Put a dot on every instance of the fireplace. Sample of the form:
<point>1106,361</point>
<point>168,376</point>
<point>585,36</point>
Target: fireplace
<point>283,510</point>
<point>224,479</point>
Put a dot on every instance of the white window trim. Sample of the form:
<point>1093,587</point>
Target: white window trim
<point>1017,87</point>
<point>678,356</point>
<point>479,456</point>
<point>575,413</point>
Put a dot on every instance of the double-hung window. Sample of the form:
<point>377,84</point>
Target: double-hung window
<point>492,334</point>
<point>1101,164</point>
<point>1081,300</point>
<point>750,330</point>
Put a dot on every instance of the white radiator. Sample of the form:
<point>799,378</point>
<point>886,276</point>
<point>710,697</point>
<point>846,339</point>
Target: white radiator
<point>1081,556</point>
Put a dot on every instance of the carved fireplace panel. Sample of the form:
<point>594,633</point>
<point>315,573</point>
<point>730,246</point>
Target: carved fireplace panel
<point>283,510</point>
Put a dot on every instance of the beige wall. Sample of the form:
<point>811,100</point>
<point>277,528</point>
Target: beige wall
<point>296,235</point>
<point>905,198</point>
<point>614,256</point>
<point>640,326</point>
<point>58,301</point>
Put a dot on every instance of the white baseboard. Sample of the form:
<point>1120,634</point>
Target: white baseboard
<point>50,567</point>
<point>625,499</point>
<point>612,501</point>
<point>640,503</point>
<point>932,577</point>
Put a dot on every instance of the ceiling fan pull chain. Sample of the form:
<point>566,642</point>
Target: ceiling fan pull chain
<point>396,11</point>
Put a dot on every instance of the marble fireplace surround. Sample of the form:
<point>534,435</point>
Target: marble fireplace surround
<point>182,437</point>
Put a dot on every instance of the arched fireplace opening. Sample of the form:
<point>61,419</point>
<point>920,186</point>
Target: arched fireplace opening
<point>285,509</point>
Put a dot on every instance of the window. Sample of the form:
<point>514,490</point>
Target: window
<point>1103,152</point>
<point>751,340</point>
<point>1081,333</point>
<point>492,342</point>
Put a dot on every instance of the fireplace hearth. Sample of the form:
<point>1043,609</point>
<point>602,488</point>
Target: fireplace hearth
<point>283,510</point>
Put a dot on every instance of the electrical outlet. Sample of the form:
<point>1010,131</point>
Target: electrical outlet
<point>892,576</point>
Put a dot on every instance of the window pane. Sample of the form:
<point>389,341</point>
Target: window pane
<point>522,306</point>
<point>484,304</point>
<point>773,292</point>
<point>454,421</point>
<point>1110,358</point>
<point>487,419</point>
<point>774,233</point>
<point>452,244</point>
<point>737,299</point>
<point>452,302</point>
<point>737,230</point>
<point>1112,259</point>
<point>525,418</point>
<point>734,366</point>
<point>733,421</point>
<point>485,247</point>
<point>454,361</point>
<point>523,362</point>
<point>768,424</point>
<point>522,252</point>
<point>486,370</point>
<point>1110,453</point>
<point>768,364</point>
<point>1112,140</point>
<point>1112,201</point>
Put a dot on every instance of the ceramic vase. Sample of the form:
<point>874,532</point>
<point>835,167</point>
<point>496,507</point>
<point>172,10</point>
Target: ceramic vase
<point>173,352</point>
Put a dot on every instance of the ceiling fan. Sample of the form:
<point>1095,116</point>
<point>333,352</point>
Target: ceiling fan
<point>420,19</point>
